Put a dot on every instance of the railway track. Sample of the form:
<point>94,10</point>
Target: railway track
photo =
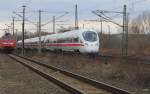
<point>107,57</point>
<point>134,59</point>
<point>129,58</point>
<point>75,84</point>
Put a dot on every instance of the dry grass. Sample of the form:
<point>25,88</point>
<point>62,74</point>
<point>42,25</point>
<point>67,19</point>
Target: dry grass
<point>133,76</point>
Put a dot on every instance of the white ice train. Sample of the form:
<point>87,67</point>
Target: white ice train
<point>83,41</point>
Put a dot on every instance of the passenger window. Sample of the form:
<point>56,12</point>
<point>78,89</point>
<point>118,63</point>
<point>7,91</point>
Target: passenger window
<point>47,41</point>
<point>76,40</point>
<point>55,41</point>
<point>68,40</point>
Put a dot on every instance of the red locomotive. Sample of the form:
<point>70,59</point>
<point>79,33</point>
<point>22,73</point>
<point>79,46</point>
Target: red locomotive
<point>7,42</point>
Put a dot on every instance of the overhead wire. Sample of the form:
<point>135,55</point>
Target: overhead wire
<point>57,18</point>
<point>133,3</point>
<point>25,18</point>
<point>104,16</point>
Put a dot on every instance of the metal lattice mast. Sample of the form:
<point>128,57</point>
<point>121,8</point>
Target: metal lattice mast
<point>125,33</point>
<point>39,30</point>
<point>54,25</point>
<point>13,24</point>
<point>76,17</point>
<point>23,29</point>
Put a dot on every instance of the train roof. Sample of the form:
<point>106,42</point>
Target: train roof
<point>7,34</point>
<point>68,34</point>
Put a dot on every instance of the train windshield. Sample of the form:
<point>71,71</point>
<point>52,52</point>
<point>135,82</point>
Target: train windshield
<point>8,36</point>
<point>90,36</point>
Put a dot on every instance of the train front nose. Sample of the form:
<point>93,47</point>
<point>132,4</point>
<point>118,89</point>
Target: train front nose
<point>92,48</point>
<point>8,45</point>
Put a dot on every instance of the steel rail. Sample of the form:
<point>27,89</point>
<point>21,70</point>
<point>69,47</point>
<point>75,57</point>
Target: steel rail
<point>109,88</point>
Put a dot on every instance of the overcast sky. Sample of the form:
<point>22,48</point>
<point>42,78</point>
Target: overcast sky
<point>85,7</point>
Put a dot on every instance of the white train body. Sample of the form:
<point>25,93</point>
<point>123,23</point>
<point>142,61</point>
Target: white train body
<point>84,41</point>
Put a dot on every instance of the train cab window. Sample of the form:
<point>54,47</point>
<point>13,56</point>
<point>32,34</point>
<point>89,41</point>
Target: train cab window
<point>7,36</point>
<point>90,36</point>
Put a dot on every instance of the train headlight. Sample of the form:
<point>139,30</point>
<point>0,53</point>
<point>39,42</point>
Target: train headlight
<point>96,44</point>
